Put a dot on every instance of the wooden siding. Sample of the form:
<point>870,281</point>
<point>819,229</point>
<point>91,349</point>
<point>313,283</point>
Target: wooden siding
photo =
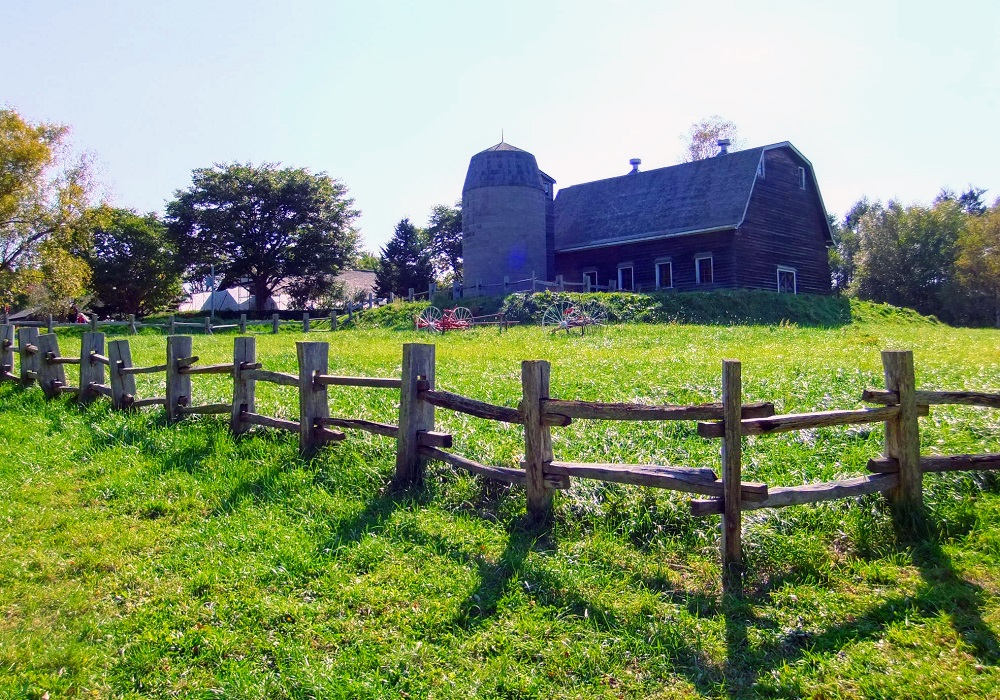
<point>784,226</point>
<point>680,249</point>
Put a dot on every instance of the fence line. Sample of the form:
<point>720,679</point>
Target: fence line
<point>898,473</point>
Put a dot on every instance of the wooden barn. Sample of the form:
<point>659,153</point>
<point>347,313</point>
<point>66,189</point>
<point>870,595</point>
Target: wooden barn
<point>745,219</point>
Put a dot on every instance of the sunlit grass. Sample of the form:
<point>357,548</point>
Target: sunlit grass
<point>139,558</point>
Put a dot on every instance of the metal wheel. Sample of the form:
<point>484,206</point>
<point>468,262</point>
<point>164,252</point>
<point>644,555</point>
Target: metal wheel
<point>462,317</point>
<point>593,313</point>
<point>429,319</point>
<point>559,316</point>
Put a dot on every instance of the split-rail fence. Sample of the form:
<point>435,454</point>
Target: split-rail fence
<point>898,473</point>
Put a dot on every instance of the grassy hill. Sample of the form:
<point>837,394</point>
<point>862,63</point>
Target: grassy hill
<point>140,559</point>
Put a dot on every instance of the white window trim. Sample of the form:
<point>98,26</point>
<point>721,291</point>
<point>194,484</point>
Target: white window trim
<point>795,278</point>
<point>760,167</point>
<point>590,271</point>
<point>626,266</point>
<point>802,178</point>
<point>656,267</point>
<point>697,271</point>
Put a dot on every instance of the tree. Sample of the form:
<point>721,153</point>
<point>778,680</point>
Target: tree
<point>263,224</point>
<point>405,262</point>
<point>366,260</point>
<point>702,139</point>
<point>43,200</point>
<point>136,269</point>
<point>844,253</point>
<point>979,261</point>
<point>445,229</point>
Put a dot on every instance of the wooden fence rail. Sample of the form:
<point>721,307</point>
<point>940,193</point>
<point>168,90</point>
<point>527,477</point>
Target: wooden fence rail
<point>109,372</point>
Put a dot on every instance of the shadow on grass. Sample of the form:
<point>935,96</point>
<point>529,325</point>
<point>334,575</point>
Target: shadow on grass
<point>942,590</point>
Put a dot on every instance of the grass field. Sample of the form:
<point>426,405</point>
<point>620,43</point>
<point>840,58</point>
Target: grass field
<point>140,559</point>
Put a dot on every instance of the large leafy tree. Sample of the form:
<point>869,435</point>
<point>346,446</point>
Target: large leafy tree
<point>44,196</point>
<point>405,262</point>
<point>265,224</point>
<point>136,269</point>
<point>979,262</point>
<point>702,139</point>
<point>445,230</point>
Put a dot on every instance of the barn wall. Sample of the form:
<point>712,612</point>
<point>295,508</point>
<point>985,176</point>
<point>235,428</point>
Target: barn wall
<point>680,249</point>
<point>784,225</point>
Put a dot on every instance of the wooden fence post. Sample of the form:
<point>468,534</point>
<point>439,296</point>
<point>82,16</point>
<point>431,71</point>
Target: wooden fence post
<point>131,324</point>
<point>314,358</point>
<point>902,442</point>
<point>171,326</point>
<point>243,324</point>
<point>333,320</point>
<point>51,376</point>
<point>51,326</point>
<point>93,323</point>
<point>350,311</point>
<point>305,322</point>
<point>208,325</point>
<point>27,341</point>
<point>122,385</point>
<point>244,390</point>
<point>6,352</point>
<point>732,479</point>
<point>178,385</point>
<point>274,323</point>
<point>415,414</point>
<point>91,372</point>
<point>537,438</point>
<point>409,296</point>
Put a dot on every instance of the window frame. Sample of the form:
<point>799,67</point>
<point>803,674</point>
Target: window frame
<point>761,172</point>
<point>697,270</point>
<point>656,267</point>
<point>631,268</point>
<point>795,278</point>
<point>588,272</point>
<point>802,178</point>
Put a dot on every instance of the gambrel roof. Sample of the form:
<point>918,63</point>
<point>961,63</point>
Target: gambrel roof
<point>697,197</point>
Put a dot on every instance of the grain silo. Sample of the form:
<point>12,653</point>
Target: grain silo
<point>507,223</point>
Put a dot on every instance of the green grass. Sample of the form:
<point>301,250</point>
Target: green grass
<point>141,559</point>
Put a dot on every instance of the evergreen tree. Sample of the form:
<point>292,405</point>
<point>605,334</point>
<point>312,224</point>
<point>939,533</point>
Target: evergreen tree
<point>405,262</point>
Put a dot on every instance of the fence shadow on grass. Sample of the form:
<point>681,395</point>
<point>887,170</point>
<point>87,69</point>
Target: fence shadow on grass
<point>941,590</point>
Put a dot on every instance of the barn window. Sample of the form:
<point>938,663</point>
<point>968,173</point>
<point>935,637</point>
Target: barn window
<point>626,280</point>
<point>802,178</point>
<point>703,270</point>
<point>591,277</point>
<point>664,274</point>
<point>760,167</point>
<point>786,280</point>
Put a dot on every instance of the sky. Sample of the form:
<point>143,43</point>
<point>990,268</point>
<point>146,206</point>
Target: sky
<point>887,99</point>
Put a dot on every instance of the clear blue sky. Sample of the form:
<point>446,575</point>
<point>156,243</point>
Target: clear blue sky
<point>888,99</point>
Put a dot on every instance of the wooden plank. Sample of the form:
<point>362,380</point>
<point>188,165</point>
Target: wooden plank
<point>434,438</point>
<point>415,414</point>
<point>640,412</point>
<point>268,422</point>
<point>782,496</point>
<point>263,375</point>
<point>902,443</point>
<point>144,370</point>
<point>732,476</point>
<point>186,361</point>
<point>209,408</point>
<point>142,403</point>
<point>954,463</point>
<point>27,340</point>
<point>314,359</point>
<point>929,398</point>
<point>7,350</point>
<point>366,425</point>
<point>537,438</point>
<point>54,359</point>
<point>472,407</point>
<point>91,372</point>
<point>371,382</point>
<point>244,386</point>
<point>100,389</point>
<point>802,421</point>
<point>505,474</point>
<point>122,385</point>
<point>48,371</point>
<point>687,479</point>
<point>224,368</point>
<point>103,359</point>
<point>178,385</point>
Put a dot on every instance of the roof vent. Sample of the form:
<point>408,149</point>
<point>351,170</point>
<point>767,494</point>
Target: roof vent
<point>635,163</point>
<point>723,146</point>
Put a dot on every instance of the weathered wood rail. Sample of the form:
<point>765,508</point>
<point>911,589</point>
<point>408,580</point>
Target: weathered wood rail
<point>109,372</point>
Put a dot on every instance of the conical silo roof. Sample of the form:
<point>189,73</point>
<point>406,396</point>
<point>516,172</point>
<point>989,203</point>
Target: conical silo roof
<point>502,165</point>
